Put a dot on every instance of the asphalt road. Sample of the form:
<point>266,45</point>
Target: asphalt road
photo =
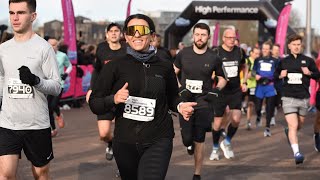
<point>79,155</point>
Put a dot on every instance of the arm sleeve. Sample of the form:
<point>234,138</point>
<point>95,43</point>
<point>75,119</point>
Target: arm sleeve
<point>101,99</point>
<point>177,62</point>
<point>313,68</point>
<point>278,69</point>
<point>1,77</point>
<point>218,68</point>
<point>172,90</point>
<point>50,84</point>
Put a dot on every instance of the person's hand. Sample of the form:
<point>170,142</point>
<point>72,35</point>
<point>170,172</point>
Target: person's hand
<point>306,71</point>
<point>186,109</point>
<point>283,73</point>
<point>264,80</point>
<point>244,87</point>
<point>122,94</point>
<point>64,76</point>
<point>88,95</point>
<point>27,77</point>
<point>185,94</point>
<point>213,95</point>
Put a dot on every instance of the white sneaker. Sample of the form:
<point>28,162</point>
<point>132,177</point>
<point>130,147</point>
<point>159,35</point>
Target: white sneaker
<point>267,133</point>
<point>227,150</point>
<point>273,121</point>
<point>214,155</point>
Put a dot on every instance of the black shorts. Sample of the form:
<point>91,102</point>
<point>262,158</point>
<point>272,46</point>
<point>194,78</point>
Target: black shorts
<point>195,129</point>
<point>232,100</point>
<point>251,96</point>
<point>318,100</point>
<point>108,116</point>
<point>36,144</point>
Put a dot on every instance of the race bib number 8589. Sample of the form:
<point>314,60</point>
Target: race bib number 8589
<point>139,109</point>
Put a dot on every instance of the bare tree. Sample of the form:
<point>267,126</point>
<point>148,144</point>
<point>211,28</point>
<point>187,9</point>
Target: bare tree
<point>295,18</point>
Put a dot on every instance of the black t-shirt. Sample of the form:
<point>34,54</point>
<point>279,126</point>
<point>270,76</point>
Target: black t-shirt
<point>296,84</point>
<point>196,72</point>
<point>104,55</point>
<point>232,63</point>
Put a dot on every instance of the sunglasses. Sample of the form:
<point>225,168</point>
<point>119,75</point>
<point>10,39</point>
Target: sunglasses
<point>143,30</point>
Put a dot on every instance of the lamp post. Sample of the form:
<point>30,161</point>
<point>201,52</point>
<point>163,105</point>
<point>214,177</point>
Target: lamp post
<point>308,29</point>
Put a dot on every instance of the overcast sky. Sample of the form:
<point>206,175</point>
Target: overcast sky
<point>116,9</point>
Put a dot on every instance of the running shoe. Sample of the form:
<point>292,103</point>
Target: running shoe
<point>273,121</point>
<point>109,152</point>
<point>299,158</point>
<point>190,149</point>
<point>227,150</point>
<point>267,132</point>
<point>214,154</point>
<point>248,126</point>
<point>258,122</point>
<point>60,121</point>
<point>117,173</point>
<point>316,142</point>
<point>196,177</point>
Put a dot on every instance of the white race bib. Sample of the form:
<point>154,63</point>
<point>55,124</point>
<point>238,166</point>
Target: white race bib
<point>252,91</point>
<point>195,86</point>
<point>265,67</point>
<point>139,109</point>
<point>294,78</point>
<point>232,71</point>
<point>18,90</point>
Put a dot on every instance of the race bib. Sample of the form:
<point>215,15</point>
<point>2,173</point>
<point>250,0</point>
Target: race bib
<point>232,71</point>
<point>294,78</point>
<point>139,109</point>
<point>195,86</point>
<point>18,90</point>
<point>252,91</point>
<point>265,67</point>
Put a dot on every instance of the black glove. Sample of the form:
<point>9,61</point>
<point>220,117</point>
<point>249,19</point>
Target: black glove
<point>185,94</point>
<point>64,76</point>
<point>27,77</point>
<point>264,81</point>
<point>213,95</point>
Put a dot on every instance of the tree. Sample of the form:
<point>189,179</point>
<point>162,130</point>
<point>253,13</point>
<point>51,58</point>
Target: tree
<point>295,18</point>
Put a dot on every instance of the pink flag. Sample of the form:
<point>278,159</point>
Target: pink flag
<point>70,37</point>
<point>129,8</point>
<point>216,33</point>
<point>282,27</point>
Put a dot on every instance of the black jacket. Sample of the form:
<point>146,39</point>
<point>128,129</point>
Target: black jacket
<point>155,80</point>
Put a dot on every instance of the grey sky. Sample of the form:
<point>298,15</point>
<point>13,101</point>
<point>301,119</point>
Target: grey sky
<point>116,9</point>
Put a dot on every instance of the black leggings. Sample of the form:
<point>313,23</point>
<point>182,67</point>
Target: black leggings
<point>143,161</point>
<point>270,104</point>
<point>53,105</point>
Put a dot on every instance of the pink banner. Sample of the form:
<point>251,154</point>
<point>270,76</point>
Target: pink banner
<point>70,37</point>
<point>70,84</point>
<point>318,55</point>
<point>282,27</point>
<point>83,83</point>
<point>215,39</point>
<point>129,8</point>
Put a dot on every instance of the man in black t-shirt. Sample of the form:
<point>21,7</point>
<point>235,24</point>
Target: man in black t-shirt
<point>161,52</point>
<point>233,60</point>
<point>108,50</point>
<point>198,66</point>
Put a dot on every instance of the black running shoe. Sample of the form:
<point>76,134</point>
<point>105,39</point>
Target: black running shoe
<point>109,152</point>
<point>190,149</point>
<point>316,138</point>
<point>196,177</point>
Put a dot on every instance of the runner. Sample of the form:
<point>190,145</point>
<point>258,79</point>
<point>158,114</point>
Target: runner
<point>140,88</point>
<point>233,61</point>
<point>277,83</point>
<point>108,50</point>
<point>252,83</point>
<point>53,101</point>
<point>28,72</point>
<point>161,52</point>
<point>198,66</point>
<point>296,71</point>
<point>263,70</point>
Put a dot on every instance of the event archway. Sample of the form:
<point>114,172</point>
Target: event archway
<point>220,10</point>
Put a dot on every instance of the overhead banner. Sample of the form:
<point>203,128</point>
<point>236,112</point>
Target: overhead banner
<point>215,39</point>
<point>129,8</point>
<point>70,37</point>
<point>282,27</point>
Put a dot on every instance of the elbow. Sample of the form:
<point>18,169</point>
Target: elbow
<point>97,107</point>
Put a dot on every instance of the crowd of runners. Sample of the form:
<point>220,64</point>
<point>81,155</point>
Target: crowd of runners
<point>137,85</point>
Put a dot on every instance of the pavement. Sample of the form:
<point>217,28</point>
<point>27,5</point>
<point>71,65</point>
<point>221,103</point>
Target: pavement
<point>79,154</point>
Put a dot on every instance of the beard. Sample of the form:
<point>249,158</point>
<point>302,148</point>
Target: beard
<point>200,46</point>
